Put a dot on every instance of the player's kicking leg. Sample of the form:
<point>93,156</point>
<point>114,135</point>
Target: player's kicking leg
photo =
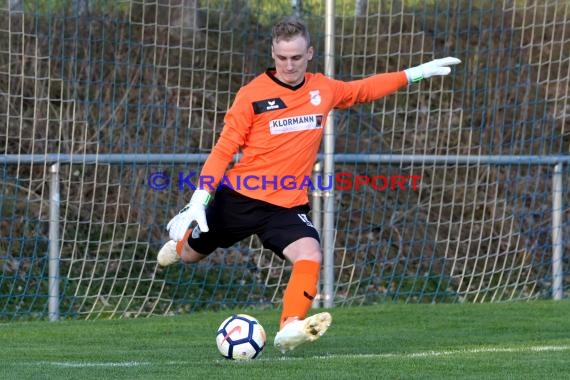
<point>170,252</point>
<point>300,331</point>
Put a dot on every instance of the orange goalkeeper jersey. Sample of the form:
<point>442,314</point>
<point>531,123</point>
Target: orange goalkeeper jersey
<point>279,129</point>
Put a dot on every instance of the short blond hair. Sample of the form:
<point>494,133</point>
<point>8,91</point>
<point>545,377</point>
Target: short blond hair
<point>288,28</point>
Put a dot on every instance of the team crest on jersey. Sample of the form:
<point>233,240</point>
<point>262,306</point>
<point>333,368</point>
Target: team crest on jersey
<point>315,97</point>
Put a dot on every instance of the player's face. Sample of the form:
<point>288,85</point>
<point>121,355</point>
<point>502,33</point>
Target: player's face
<point>291,59</point>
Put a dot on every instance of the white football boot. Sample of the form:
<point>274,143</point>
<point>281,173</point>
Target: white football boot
<point>303,330</point>
<point>167,254</point>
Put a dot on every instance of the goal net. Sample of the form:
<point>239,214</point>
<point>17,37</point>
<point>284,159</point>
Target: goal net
<point>468,172</point>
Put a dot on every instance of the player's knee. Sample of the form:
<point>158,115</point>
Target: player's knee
<point>308,255</point>
<point>314,255</point>
<point>304,249</point>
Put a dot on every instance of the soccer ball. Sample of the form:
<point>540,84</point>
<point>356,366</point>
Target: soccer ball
<point>240,337</point>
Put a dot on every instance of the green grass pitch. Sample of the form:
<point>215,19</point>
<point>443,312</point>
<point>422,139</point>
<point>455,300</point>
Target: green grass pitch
<point>522,340</point>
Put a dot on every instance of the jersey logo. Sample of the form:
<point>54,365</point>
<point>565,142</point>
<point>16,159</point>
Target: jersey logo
<point>266,105</point>
<point>315,97</point>
<point>296,124</point>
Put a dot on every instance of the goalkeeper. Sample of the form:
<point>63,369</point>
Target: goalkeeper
<point>277,120</point>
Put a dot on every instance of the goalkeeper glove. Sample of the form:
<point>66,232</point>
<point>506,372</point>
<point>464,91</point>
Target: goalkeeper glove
<point>194,211</point>
<point>432,68</point>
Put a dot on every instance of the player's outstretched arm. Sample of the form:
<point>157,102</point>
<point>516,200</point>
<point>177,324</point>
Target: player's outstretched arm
<point>194,211</point>
<point>437,67</point>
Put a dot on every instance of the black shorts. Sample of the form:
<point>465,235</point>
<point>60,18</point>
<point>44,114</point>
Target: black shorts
<point>233,217</point>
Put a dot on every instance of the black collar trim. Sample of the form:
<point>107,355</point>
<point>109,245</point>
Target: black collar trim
<point>271,74</point>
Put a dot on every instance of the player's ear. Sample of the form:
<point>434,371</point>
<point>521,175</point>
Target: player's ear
<point>310,52</point>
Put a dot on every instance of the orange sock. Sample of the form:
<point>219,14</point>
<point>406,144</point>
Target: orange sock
<point>301,289</point>
<point>180,244</point>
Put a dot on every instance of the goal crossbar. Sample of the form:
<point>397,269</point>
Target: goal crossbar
<point>114,158</point>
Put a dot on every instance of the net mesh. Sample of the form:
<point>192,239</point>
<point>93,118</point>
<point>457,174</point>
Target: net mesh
<point>156,77</point>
